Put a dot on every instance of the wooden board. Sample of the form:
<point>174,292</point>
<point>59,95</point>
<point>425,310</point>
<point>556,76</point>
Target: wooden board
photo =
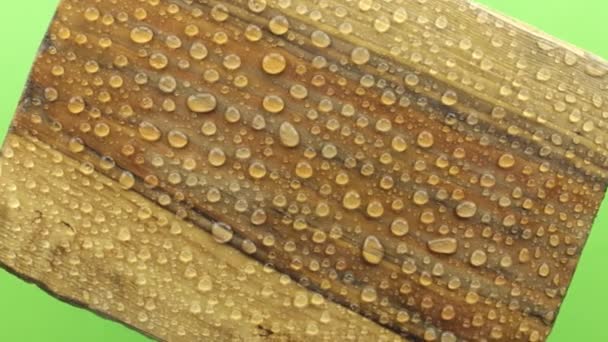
<point>305,170</point>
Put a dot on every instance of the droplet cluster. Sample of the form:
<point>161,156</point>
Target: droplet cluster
<point>405,161</point>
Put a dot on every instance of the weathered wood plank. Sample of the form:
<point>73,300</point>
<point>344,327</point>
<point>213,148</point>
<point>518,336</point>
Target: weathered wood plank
<point>117,253</point>
<point>424,170</point>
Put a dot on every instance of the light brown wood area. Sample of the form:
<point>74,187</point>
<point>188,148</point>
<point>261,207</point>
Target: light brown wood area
<point>305,170</point>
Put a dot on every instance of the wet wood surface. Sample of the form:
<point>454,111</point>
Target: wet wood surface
<point>305,170</point>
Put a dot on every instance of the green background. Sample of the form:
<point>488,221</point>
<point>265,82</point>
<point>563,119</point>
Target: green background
<point>29,314</point>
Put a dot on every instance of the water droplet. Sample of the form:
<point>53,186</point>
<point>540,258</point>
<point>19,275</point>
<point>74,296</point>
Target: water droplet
<point>368,294</point>
<point>421,197</point>
<point>360,55</point>
<point>76,105</point>
<point>304,170</point>
<point>273,103</point>
<point>375,209</point>
<point>382,24</point>
<point>278,25</point>
<point>441,22</point>
<point>478,258</point>
<point>466,209</point>
<point>141,34</point>
<point>253,33</point>
<point>220,13</point>
<point>231,62</point>
<point>570,58</point>
<point>400,15</point>
<point>91,14</point>
<point>177,139</point>
<point>373,250</point>
<point>256,6</point>
<point>320,39</point>
<point>126,180</point>
<point>101,129</point>
<point>221,232</point>
<point>157,61</point>
<point>351,200</point>
<point>506,161</point>
<point>198,51</point>
<point>216,157</point>
<point>596,69</point>
<point>443,245</point>
<point>449,98</point>
<point>257,170</point>
<point>399,226</point>
<point>274,63</point>
<point>298,91</point>
<point>543,74</point>
<point>202,102</point>
<point>205,284</point>
<point>149,131</point>
<point>167,84</point>
<point>124,234</point>
<point>448,313</point>
<point>289,135</point>
<point>425,139</point>
<point>13,203</point>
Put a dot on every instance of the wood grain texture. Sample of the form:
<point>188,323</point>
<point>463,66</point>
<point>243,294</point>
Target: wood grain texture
<point>305,170</point>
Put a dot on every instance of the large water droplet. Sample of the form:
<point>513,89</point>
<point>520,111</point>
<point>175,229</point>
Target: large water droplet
<point>289,135</point>
<point>373,250</point>
<point>202,102</point>
<point>443,245</point>
<point>141,34</point>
